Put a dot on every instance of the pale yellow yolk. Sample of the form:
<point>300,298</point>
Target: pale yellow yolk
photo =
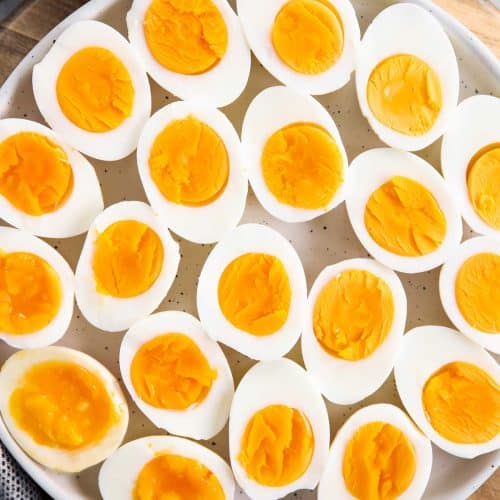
<point>128,258</point>
<point>277,445</point>
<point>95,90</point>
<point>302,165</point>
<point>462,402</point>
<point>353,314</point>
<point>185,36</point>
<point>379,462</point>
<point>404,218</point>
<point>30,293</point>
<point>189,163</point>
<point>254,293</point>
<point>308,35</point>
<point>62,405</point>
<point>404,94</point>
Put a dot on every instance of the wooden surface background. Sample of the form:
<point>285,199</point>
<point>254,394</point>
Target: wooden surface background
<point>26,26</point>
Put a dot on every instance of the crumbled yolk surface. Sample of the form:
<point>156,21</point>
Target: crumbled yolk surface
<point>302,165</point>
<point>62,405</point>
<point>30,293</point>
<point>174,477</point>
<point>308,35</point>
<point>185,36</point>
<point>171,372</point>
<point>128,258</point>
<point>189,163</point>
<point>94,90</point>
<point>379,462</point>
<point>254,293</point>
<point>462,402</point>
<point>404,218</point>
<point>353,314</point>
<point>483,184</point>
<point>277,445</point>
<point>404,94</point>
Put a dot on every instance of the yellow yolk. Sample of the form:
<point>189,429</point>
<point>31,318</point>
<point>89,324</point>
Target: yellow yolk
<point>174,477</point>
<point>302,165</point>
<point>308,35</point>
<point>62,405</point>
<point>353,314</point>
<point>254,293</point>
<point>404,218</point>
<point>189,162</point>
<point>171,372</point>
<point>462,403</point>
<point>277,445</point>
<point>379,462</point>
<point>404,94</point>
<point>30,293</point>
<point>94,90</point>
<point>128,258</point>
<point>483,184</point>
<point>185,36</point>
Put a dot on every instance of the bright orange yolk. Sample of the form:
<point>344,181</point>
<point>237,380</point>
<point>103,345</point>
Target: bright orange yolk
<point>185,36</point>
<point>128,258</point>
<point>353,314</point>
<point>302,165</point>
<point>189,163</point>
<point>404,218</point>
<point>308,35</point>
<point>30,293</point>
<point>254,293</point>
<point>404,94</point>
<point>62,405</point>
<point>462,403</point>
<point>277,445</point>
<point>94,90</point>
<point>174,477</point>
<point>379,462</point>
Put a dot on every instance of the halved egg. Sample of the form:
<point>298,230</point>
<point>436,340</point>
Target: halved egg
<point>252,292</point>
<point>91,88</point>
<point>407,77</point>
<point>451,388</point>
<point>127,265</point>
<point>63,408</point>
<point>401,210</point>
<point>356,319</point>
<point>279,431</point>
<point>294,155</point>
<point>177,375</point>
<point>190,165</point>
<point>194,49</point>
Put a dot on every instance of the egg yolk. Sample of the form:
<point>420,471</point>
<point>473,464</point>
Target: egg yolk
<point>175,477</point>
<point>128,258</point>
<point>353,314</point>
<point>308,36</point>
<point>94,90</point>
<point>171,372</point>
<point>462,402</point>
<point>379,462</point>
<point>254,293</point>
<point>62,405</point>
<point>277,445</point>
<point>404,94</point>
<point>185,36</point>
<point>483,184</point>
<point>302,166</point>
<point>188,163</point>
<point>30,293</point>
<point>404,218</point>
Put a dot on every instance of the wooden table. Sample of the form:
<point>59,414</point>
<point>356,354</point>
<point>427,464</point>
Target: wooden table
<point>22,30</point>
